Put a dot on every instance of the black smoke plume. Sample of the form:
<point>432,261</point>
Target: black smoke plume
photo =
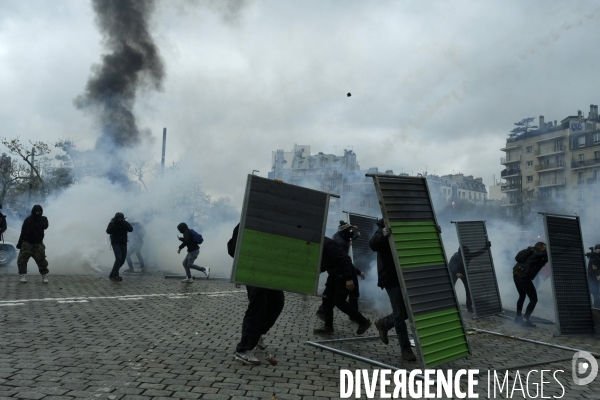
<point>133,62</point>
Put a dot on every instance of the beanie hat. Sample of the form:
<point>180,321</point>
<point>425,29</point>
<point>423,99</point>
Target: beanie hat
<point>343,226</point>
<point>597,246</point>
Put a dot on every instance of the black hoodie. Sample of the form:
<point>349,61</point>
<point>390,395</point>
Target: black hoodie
<point>33,227</point>
<point>187,239</point>
<point>118,228</point>
<point>386,268</point>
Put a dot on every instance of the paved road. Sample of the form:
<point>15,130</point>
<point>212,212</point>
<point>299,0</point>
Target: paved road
<point>149,337</point>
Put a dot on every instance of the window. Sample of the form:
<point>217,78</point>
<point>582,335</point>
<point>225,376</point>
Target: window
<point>469,194</point>
<point>596,137</point>
<point>580,177</point>
<point>529,164</point>
<point>530,178</point>
<point>581,157</point>
<point>529,149</point>
<point>464,196</point>
<point>596,174</point>
<point>596,154</point>
<point>581,141</point>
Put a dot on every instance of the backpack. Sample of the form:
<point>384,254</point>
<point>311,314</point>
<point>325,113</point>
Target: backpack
<point>196,237</point>
<point>523,255</point>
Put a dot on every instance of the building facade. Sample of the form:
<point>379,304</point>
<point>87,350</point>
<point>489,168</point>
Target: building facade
<point>559,163</point>
<point>457,186</point>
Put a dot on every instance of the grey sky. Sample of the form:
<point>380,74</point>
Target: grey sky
<point>436,84</point>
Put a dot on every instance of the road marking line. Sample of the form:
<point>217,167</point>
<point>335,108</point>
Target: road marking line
<point>12,304</point>
<point>73,301</point>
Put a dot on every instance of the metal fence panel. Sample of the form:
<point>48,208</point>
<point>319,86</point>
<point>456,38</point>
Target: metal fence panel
<point>362,254</point>
<point>479,268</point>
<point>422,269</point>
<point>573,305</point>
<point>281,236</point>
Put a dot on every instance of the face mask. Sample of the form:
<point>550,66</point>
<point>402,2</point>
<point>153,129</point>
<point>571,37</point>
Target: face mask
<point>597,251</point>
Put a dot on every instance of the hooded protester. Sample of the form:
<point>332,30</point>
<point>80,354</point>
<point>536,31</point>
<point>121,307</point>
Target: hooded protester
<point>344,236</point>
<point>118,228</point>
<point>193,251</point>
<point>137,242</point>
<point>31,243</point>
<point>457,269</point>
<point>593,273</point>
<point>340,281</point>
<point>387,278</point>
<point>529,262</point>
<point>264,307</point>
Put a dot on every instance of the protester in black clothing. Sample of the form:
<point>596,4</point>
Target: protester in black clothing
<point>457,269</point>
<point>31,243</point>
<point>593,273</point>
<point>137,242</point>
<point>193,251</point>
<point>344,236</point>
<point>388,280</point>
<point>264,307</point>
<point>338,265</point>
<point>529,263</point>
<point>118,228</point>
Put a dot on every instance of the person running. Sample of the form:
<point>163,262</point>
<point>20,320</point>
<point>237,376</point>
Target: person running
<point>31,243</point>
<point>344,236</point>
<point>118,228</point>
<point>187,240</point>
<point>529,262</point>
<point>137,242</point>
<point>387,278</point>
<point>340,281</point>
<point>264,307</point>
<point>457,269</point>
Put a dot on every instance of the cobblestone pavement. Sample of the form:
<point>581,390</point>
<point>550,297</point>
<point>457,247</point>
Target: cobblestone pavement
<point>149,337</point>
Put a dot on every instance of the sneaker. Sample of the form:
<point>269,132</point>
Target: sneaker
<point>24,278</point>
<point>143,269</point>
<point>527,323</point>
<point>188,280</point>
<point>247,358</point>
<point>45,278</point>
<point>321,315</point>
<point>362,328</point>
<point>383,333</point>
<point>207,272</point>
<point>326,330</point>
<point>261,344</point>
<point>116,278</point>
<point>408,354</point>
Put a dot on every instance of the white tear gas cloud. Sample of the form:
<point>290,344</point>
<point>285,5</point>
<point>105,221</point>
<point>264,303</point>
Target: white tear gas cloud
<point>77,242</point>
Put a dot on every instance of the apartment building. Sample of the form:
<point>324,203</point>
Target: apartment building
<point>559,162</point>
<point>457,186</point>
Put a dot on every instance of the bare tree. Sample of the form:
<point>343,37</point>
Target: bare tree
<point>11,173</point>
<point>139,168</point>
<point>15,147</point>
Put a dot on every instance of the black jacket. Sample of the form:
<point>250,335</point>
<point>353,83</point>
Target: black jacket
<point>532,265</point>
<point>337,237</point>
<point>3,226</point>
<point>33,227</point>
<point>594,260</point>
<point>387,277</point>
<point>336,261</point>
<point>456,264</point>
<point>187,239</point>
<point>118,231</point>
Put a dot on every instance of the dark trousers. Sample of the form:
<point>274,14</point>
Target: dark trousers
<point>353,296</point>
<point>467,290</point>
<point>594,285</point>
<point>397,319</point>
<point>120,251</point>
<point>264,308</point>
<point>137,249</point>
<point>526,288</point>
<point>336,297</point>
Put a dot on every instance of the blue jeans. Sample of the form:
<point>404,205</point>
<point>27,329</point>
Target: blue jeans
<point>188,263</point>
<point>120,251</point>
<point>398,316</point>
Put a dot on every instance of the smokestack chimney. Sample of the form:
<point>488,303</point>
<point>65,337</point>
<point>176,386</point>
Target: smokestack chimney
<point>579,114</point>
<point>541,125</point>
<point>162,161</point>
